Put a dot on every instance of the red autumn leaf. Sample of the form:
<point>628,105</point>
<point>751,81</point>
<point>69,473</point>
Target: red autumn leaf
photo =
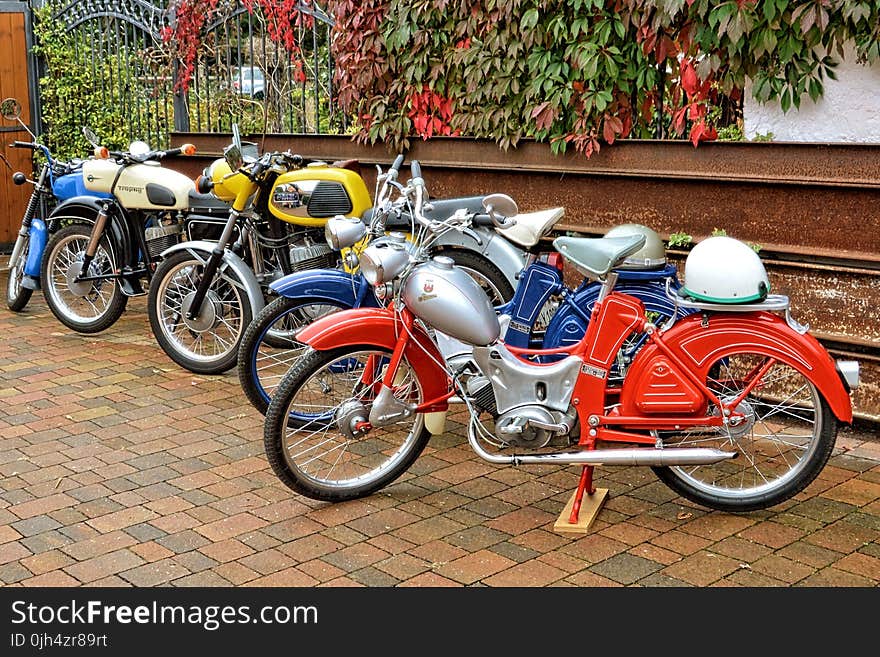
<point>702,132</point>
<point>696,111</point>
<point>543,115</point>
<point>697,132</point>
<point>578,86</point>
<point>678,119</point>
<point>689,80</point>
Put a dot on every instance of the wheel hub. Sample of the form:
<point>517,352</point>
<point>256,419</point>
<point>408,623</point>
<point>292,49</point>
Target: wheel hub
<point>79,288</point>
<point>208,314</point>
<point>349,417</point>
<point>743,422</point>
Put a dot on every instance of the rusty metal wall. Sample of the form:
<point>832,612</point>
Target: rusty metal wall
<point>813,208</point>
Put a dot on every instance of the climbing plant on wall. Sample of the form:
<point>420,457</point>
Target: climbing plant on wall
<point>579,73</point>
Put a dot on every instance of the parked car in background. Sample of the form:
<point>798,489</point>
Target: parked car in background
<point>249,81</point>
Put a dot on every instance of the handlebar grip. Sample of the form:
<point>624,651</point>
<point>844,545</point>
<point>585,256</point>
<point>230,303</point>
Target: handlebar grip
<point>24,144</point>
<point>398,162</point>
<point>482,220</point>
<point>416,169</point>
<point>258,168</point>
<point>171,152</point>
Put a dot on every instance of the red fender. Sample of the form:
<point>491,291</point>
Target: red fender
<point>378,327</point>
<point>699,346</point>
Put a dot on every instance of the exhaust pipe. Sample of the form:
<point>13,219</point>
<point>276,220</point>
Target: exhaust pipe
<point>624,456</point>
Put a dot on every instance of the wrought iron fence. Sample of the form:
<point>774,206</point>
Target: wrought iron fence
<point>240,75</point>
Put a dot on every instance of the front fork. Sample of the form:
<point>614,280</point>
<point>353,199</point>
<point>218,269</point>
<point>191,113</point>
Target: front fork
<point>211,266</point>
<point>28,217</point>
<point>94,240</point>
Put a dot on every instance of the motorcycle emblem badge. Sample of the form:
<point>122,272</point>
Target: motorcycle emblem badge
<point>427,291</point>
<point>287,196</point>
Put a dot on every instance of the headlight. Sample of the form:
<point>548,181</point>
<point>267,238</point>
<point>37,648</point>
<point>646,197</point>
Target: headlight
<point>383,262</point>
<point>343,232</point>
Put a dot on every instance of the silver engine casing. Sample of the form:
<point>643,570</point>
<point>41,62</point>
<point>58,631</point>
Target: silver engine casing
<point>449,300</point>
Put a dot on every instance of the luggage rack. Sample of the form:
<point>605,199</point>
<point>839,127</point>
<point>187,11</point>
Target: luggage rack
<point>773,302</point>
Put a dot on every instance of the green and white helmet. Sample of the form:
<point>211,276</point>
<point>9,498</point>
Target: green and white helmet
<point>650,256</point>
<point>724,270</point>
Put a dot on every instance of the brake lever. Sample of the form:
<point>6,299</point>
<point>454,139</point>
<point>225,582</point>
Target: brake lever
<point>472,234</point>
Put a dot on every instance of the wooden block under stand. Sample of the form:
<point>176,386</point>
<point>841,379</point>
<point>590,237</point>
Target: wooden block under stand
<point>590,507</point>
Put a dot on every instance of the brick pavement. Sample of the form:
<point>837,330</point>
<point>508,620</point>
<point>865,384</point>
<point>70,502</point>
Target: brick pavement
<point>117,468</point>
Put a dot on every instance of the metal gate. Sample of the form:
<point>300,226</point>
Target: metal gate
<point>114,47</point>
<point>240,74</point>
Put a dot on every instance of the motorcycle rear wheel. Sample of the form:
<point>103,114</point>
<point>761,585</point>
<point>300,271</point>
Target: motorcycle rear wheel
<point>17,296</point>
<point>784,442</point>
<point>324,394</point>
<point>262,363</point>
<point>209,343</point>
<point>89,307</point>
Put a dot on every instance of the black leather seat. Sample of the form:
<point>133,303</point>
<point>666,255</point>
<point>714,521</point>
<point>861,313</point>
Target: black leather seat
<point>206,202</point>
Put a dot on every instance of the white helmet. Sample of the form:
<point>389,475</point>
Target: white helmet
<point>724,270</point>
<point>650,256</point>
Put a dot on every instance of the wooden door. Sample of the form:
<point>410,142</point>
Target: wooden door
<point>13,83</point>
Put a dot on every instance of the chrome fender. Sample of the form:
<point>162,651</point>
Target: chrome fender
<point>201,249</point>
<point>509,258</point>
<point>700,345</point>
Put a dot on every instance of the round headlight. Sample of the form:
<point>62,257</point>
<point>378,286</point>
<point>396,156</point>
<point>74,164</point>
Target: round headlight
<point>383,262</point>
<point>342,232</point>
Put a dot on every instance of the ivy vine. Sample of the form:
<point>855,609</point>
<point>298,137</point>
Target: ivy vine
<point>582,72</point>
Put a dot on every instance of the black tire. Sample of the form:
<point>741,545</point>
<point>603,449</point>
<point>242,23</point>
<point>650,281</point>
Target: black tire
<point>787,439</point>
<point>99,303</point>
<point>280,419</point>
<point>226,310</point>
<point>263,360</point>
<point>17,296</point>
<point>487,275</point>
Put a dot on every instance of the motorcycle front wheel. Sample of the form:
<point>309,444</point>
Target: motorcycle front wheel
<point>84,306</point>
<point>16,295</point>
<point>208,343</point>
<point>262,362</point>
<point>783,441</point>
<point>314,435</point>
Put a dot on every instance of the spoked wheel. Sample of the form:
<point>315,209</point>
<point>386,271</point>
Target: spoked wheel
<point>317,435</point>
<point>262,361</point>
<point>16,295</point>
<point>207,343</point>
<point>489,277</point>
<point>84,306</point>
<point>784,438</point>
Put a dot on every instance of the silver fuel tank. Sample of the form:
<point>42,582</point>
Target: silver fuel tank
<point>449,300</point>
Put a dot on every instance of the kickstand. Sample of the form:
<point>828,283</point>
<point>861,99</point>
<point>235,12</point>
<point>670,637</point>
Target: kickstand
<point>574,518</point>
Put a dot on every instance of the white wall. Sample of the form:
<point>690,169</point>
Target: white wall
<point>849,111</point>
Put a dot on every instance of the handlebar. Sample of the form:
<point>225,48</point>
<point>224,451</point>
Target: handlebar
<point>25,144</point>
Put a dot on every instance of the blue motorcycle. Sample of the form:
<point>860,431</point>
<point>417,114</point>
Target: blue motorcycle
<point>543,313</point>
<point>56,182</point>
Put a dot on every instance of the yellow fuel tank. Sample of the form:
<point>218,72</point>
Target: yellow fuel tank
<point>311,195</point>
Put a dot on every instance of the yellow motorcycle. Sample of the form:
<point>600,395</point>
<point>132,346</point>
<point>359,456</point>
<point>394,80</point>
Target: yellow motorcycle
<point>204,293</point>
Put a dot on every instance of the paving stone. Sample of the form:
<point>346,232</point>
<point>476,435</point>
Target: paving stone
<point>626,568</point>
<point>13,572</point>
<point>154,481</point>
